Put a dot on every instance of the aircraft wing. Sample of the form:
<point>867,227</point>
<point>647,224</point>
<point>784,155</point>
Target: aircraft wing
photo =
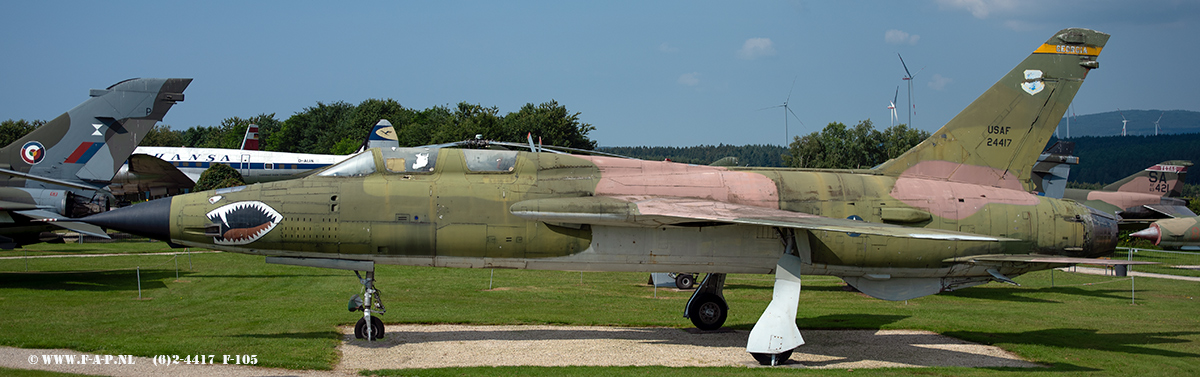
<point>1049,259</point>
<point>161,171</point>
<point>54,219</point>
<point>1171,210</point>
<point>34,177</point>
<point>659,211</point>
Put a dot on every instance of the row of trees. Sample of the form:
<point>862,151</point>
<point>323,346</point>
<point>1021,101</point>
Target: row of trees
<point>862,146</point>
<point>11,130</point>
<point>747,155</point>
<point>340,127</point>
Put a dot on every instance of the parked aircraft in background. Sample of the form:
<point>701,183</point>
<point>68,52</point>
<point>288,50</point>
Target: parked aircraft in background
<point>1173,234</point>
<point>250,142</point>
<point>1141,198</point>
<point>165,171</point>
<point>950,213</point>
<point>1052,168</point>
<point>57,171</point>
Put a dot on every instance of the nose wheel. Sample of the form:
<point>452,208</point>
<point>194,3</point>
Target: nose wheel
<point>369,327</point>
<point>372,332</point>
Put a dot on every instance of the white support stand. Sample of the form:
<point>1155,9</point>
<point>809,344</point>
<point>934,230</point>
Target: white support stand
<point>776,332</point>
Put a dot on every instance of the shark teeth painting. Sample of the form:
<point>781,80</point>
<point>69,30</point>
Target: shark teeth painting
<point>243,222</point>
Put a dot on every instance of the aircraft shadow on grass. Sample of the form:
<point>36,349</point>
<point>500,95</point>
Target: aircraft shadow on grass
<point>267,276</point>
<point>1017,294</point>
<point>1091,339</point>
<point>122,280</point>
<point>297,335</point>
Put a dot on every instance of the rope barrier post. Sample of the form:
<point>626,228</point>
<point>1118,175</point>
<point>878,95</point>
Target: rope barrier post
<point>189,252</point>
<point>1052,277</point>
<point>1132,292</point>
<point>139,280</point>
<point>176,258</point>
<point>491,279</point>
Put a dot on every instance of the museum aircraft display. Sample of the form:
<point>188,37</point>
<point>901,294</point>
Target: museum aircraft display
<point>58,171</point>
<point>165,171</point>
<point>1181,233</point>
<point>1143,197</point>
<point>955,211</point>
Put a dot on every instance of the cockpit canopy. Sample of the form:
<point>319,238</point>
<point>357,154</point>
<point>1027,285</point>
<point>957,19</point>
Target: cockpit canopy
<point>420,160</point>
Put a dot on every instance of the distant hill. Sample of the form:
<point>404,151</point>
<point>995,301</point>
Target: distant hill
<point>1141,122</point>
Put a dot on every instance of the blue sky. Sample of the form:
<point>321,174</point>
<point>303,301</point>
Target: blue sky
<point>661,73</point>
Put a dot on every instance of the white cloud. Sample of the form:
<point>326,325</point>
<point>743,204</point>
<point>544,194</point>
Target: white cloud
<point>899,37</point>
<point>1018,25</point>
<point>937,82</point>
<point>981,9</point>
<point>755,48</point>
<point>690,79</point>
<point>664,47</point>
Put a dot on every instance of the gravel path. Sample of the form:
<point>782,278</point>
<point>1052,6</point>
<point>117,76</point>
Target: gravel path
<point>435,346</point>
<point>431,346</point>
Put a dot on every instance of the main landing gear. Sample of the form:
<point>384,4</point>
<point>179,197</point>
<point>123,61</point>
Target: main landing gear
<point>368,327</point>
<point>707,308</point>
<point>775,335</point>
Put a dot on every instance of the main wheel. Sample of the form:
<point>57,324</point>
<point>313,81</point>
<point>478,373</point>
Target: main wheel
<point>360,329</point>
<point>766,358</point>
<point>708,311</point>
<point>685,281</point>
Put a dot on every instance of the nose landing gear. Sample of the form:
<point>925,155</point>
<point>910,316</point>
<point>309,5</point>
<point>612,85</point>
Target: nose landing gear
<point>368,327</point>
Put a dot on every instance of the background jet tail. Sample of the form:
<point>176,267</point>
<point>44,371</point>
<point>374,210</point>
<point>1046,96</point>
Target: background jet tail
<point>1164,179</point>
<point>996,140</point>
<point>90,142</point>
<point>250,142</point>
<point>383,135</point>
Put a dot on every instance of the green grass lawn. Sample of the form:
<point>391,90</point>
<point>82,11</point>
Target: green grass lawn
<point>237,304</point>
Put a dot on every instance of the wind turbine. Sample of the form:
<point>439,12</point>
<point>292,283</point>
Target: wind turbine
<point>892,106</point>
<point>1123,121</point>
<point>1160,115</point>
<point>909,77</point>
<point>787,135</point>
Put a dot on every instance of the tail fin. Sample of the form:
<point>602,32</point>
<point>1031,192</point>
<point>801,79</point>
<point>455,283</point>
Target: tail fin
<point>250,142</point>
<point>1052,168</point>
<point>382,136</point>
<point>996,140</point>
<point>1164,179</point>
<point>90,142</point>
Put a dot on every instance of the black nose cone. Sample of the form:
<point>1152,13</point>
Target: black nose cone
<point>150,219</point>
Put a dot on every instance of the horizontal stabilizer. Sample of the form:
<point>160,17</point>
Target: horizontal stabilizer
<point>65,223</point>
<point>33,177</point>
<point>657,211</point>
<point>1171,210</point>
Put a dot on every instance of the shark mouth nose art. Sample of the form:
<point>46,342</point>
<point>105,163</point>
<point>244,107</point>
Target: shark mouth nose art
<point>243,222</point>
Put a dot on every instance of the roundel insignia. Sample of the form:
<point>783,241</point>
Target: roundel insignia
<point>855,218</point>
<point>33,152</point>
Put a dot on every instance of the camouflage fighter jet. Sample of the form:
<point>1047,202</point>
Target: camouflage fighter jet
<point>1173,234</point>
<point>57,172</point>
<point>952,212</point>
<point>1145,196</point>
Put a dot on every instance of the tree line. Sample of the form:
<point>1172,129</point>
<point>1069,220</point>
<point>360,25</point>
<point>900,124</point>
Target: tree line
<point>340,127</point>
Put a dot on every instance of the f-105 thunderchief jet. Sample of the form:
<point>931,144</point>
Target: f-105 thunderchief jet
<point>955,211</point>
